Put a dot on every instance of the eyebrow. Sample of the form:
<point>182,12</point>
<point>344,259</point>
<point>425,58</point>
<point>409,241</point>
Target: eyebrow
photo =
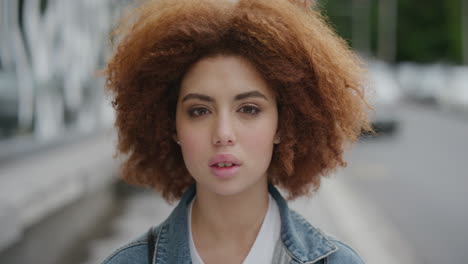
<point>238,97</point>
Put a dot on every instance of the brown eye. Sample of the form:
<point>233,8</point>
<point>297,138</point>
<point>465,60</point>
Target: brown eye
<point>249,109</point>
<point>199,111</point>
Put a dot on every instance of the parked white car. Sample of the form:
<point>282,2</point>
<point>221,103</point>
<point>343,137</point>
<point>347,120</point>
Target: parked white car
<point>382,80</point>
<point>455,96</point>
<point>423,83</point>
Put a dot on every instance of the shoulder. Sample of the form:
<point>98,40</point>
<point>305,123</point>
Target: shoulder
<point>135,251</point>
<point>315,243</point>
<point>344,255</point>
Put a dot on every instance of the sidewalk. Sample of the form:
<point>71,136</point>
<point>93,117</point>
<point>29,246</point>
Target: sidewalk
<point>335,209</point>
<point>340,211</point>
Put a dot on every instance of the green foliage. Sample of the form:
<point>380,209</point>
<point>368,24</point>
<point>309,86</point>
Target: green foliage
<point>427,31</point>
<point>339,17</point>
<point>454,31</point>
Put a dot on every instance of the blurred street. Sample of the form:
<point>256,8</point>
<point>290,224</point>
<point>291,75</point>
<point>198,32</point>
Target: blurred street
<point>418,179</point>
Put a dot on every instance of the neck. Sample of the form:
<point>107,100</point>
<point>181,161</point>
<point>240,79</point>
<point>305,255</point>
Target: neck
<point>235,217</point>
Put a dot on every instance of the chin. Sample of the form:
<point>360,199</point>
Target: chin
<point>228,188</point>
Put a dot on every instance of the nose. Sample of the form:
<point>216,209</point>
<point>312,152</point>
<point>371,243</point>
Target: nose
<point>223,132</point>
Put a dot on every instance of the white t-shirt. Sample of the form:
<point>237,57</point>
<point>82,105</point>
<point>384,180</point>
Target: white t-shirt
<point>264,246</point>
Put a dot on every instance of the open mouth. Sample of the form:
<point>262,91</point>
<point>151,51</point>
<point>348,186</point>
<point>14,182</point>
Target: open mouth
<point>223,165</point>
<point>225,170</point>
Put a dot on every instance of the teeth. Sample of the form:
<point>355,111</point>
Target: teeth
<point>222,164</point>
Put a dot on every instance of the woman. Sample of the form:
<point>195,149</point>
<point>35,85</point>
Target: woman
<point>218,103</point>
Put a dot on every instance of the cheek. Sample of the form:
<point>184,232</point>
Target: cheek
<point>259,142</point>
<point>193,145</point>
<point>190,141</point>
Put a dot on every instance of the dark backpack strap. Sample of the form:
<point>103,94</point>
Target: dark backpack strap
<point>150,239</point>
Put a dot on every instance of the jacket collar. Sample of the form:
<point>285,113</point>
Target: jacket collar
<point>303,242</point>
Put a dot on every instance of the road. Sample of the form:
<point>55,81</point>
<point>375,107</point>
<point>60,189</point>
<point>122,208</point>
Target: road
<point>419,180</point>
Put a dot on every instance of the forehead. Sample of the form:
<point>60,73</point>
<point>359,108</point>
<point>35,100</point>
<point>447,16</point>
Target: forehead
<point>224,74</point>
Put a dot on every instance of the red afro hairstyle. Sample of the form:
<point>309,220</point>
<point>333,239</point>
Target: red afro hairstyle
<point>316,78</point>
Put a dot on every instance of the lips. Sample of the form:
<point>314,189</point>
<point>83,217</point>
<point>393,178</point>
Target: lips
<point>224,172</point>
<point>224,158</point>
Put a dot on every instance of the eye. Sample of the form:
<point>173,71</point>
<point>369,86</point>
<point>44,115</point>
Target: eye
<point>198,111</point>
<point>249,109</point>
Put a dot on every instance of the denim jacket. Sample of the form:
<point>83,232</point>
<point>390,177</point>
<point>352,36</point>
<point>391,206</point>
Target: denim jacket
<point>300,242</point>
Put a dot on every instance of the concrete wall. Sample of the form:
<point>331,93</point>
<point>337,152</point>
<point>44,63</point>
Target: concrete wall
<point>48,199</point>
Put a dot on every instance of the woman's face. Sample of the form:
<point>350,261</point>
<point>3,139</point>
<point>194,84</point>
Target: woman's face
<point>226,123</point>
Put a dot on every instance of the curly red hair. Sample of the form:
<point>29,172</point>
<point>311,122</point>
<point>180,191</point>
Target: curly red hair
<point>315,76</point>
